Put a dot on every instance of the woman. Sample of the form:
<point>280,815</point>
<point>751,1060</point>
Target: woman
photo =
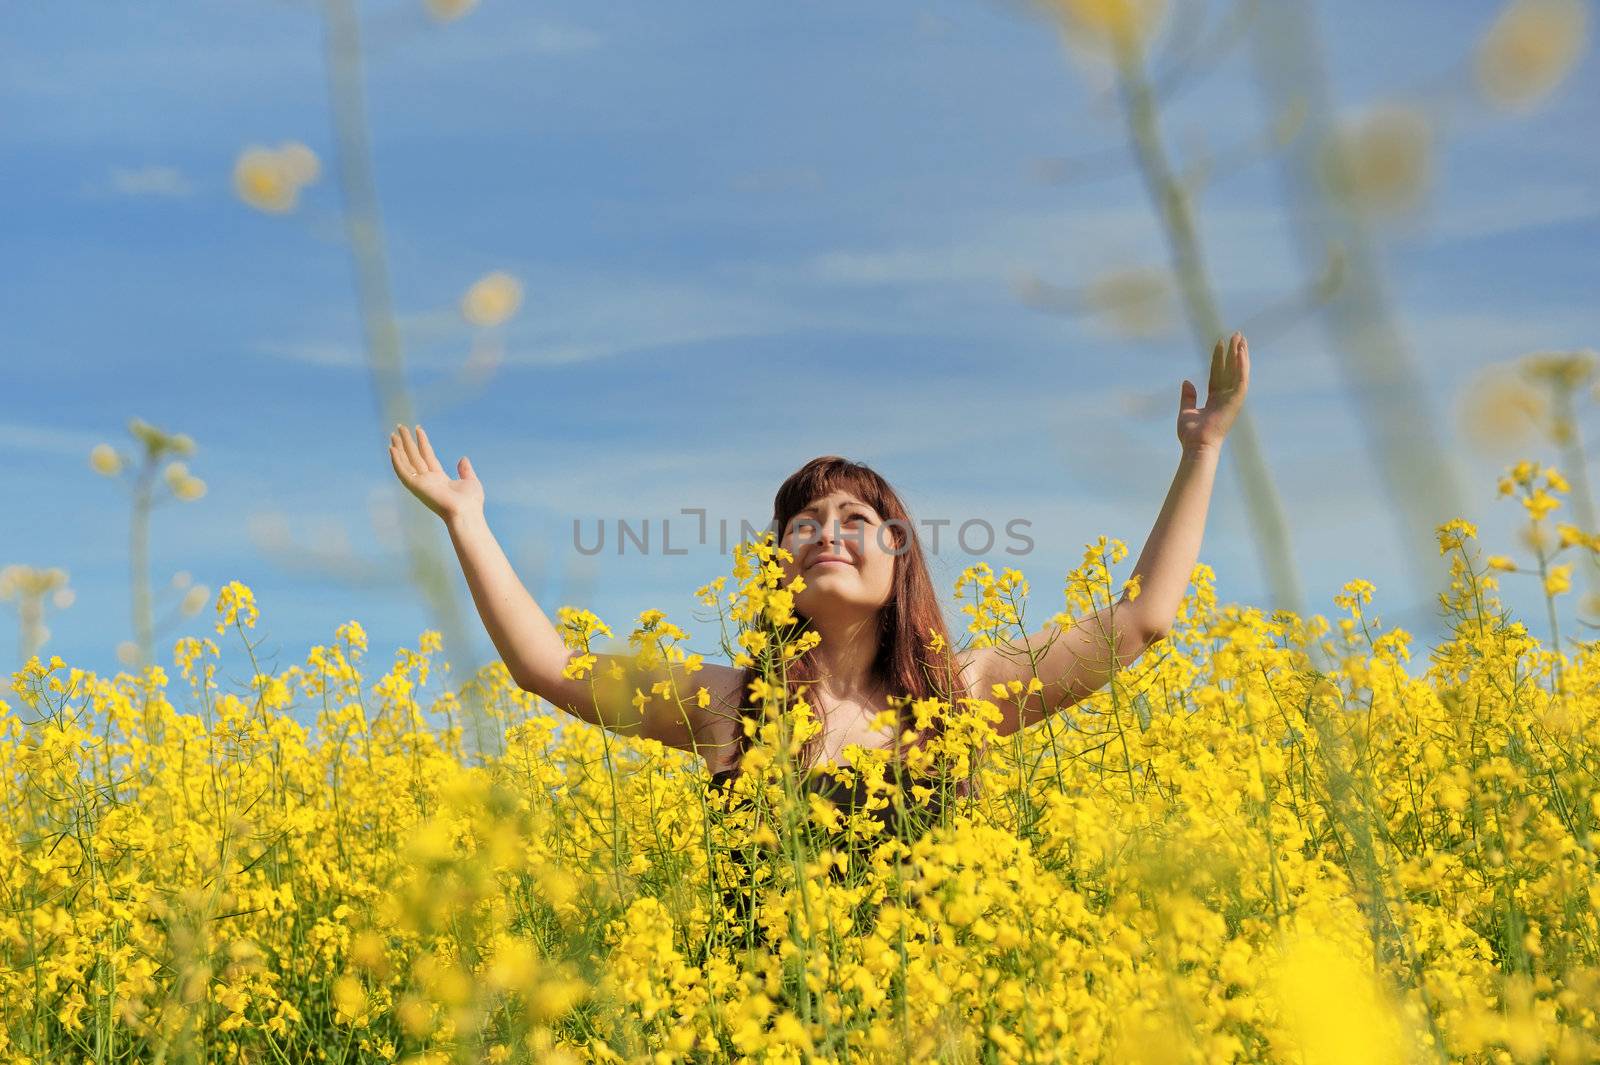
<point>866,592</point>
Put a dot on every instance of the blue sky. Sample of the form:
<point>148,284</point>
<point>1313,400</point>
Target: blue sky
<point>711,211</point>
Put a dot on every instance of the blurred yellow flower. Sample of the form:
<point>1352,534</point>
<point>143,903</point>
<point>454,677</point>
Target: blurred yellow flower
<point>492,299</point>
<point>1316,972</point>
<point>152,438</point>
<point>269,179</point>
<point>1535,537</point>
<point>1102,24</point>
<point>1529,50</point>
<point>184,485</point>
<point>26,580</point>
<point>1566,370</point>
<point>349,999</point>
<point>299,163</point>
<point>261,182</point>
<point>1380,164</point>
<point>1136,302</point>
<point>1500,409</point>
<point>105,460</point>
<point>446,10</point>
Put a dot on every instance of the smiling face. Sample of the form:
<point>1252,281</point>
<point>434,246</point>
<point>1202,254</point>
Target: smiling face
<point>845,552</point>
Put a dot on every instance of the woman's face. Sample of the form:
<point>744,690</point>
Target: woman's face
<point>845,552</point>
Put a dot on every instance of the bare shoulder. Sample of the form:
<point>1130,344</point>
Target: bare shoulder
<point>975,671</point>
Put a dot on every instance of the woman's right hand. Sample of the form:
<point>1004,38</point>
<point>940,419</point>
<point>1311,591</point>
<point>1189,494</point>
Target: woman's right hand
<point>419,470</point>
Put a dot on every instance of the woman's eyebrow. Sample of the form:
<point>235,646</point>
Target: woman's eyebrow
<point>846,503</point>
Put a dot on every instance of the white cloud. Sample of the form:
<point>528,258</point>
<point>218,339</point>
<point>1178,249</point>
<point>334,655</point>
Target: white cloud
<point>150,181</point>
<point>988,247</point>
<point>315,352</point>
<point>153,181</point>
<point>1246,246</point>
<point>48,440</point>
<point>565,320</point>
<point>1511,210</point>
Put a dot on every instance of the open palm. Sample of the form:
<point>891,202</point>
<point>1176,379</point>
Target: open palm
<point>419,470</point>
<point>1207,427</point>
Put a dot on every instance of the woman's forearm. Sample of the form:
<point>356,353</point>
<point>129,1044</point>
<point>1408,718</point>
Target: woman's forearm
<point>1170,554</point>
<point>528,643</point>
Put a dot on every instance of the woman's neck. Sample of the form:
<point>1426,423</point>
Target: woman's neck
<point>845,657</point>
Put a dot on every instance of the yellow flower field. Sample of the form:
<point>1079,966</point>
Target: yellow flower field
<point>1268,840</point>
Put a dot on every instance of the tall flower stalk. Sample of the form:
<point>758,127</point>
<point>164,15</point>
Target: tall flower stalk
<point>160,455</point>
<point>1120,30</point>
<point>364,234</point>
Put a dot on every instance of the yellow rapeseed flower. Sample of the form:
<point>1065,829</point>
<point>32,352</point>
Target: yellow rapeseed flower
<point>492,299</point>
<point>105,461</point>
<point>236,602</point>
<point>1529,50</point>
<point>270,179</point>
<point>449,10</point>
<point>1382,163</point>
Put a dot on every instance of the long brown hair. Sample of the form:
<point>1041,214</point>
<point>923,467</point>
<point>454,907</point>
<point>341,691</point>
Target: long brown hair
<point>905,663</point>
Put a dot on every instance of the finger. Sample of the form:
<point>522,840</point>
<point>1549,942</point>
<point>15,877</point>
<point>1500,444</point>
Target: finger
<point>413,456</point>
<point>1186,396</point>
<point>1213,382</point>
<point>1244,364</point>
<point>397,460</point>
<point>464,467</point>
<point>427,451</point>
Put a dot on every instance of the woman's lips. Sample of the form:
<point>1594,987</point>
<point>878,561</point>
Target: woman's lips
<point>827,561</point>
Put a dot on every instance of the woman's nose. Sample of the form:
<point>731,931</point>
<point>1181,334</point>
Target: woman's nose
<point>817,534</point>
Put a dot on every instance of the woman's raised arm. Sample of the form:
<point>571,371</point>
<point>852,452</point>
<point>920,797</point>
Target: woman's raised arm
<point>532,648</point>
<point>1075,663</point>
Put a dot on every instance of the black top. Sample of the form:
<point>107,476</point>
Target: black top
<point>917,818</point>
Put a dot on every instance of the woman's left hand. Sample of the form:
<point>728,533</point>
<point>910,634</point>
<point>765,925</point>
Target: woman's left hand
<point>1206,427</point>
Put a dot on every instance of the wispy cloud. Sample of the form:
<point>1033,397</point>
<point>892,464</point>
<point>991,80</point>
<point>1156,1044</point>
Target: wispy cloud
<point>1515,208</point>
<point>566,321</point>
<point>153,181</point>
<point>988,247</point>
<point>314,352</point>
<point>596,325</point>
<point>1067,244</point>
<point>48,440</point>
<point>150,181</point>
